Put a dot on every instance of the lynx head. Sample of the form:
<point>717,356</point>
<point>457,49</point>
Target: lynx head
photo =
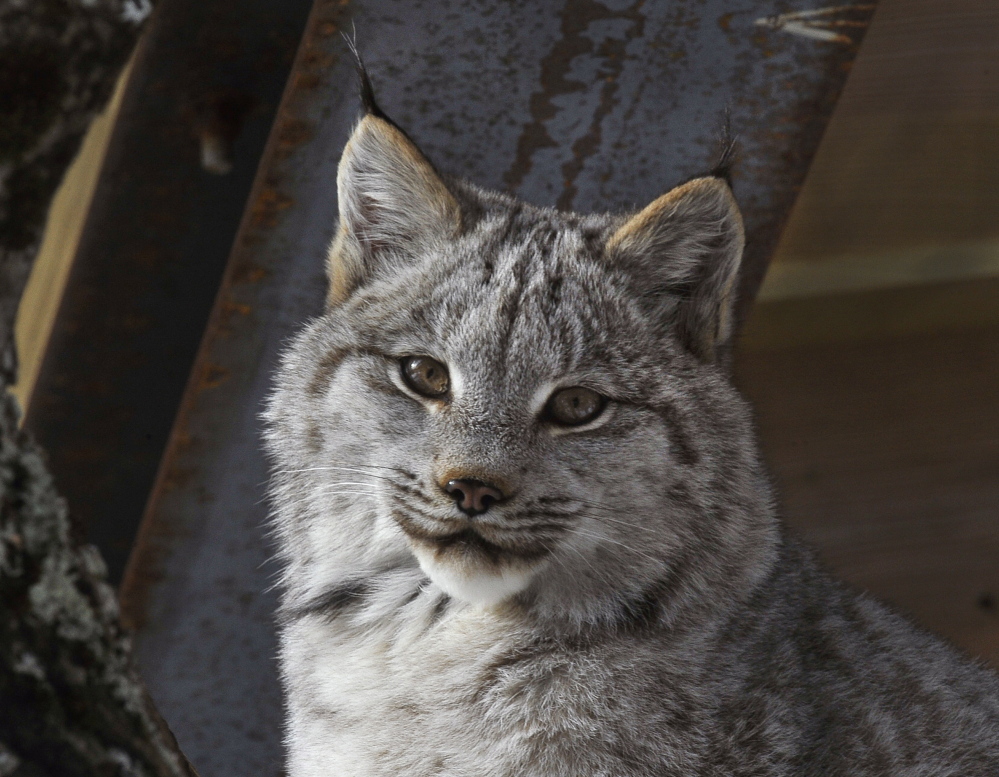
<point>521,406</point>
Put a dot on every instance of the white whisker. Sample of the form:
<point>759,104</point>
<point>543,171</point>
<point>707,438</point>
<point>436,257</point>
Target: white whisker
<point>585,560</point>
<point>600,517</point>
<point>604,538</point>
<point>331,492</point>
<point>349,483</point>
<point>618,521</point>
<point>360,468</point>
<point>601,505</point>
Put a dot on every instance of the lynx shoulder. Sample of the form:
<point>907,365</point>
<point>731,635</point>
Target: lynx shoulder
<point>524,524</point>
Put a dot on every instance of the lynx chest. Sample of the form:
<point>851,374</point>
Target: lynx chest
<point>466,696</point>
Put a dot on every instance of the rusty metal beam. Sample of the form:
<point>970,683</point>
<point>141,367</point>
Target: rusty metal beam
<point>580,104</point>
<point>153,249</point>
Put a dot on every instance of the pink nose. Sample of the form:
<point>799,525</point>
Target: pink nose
<point>473,496</point>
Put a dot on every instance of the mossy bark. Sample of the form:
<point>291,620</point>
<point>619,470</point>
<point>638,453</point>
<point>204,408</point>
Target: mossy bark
<point>71,702</point>
<point>58,63</point>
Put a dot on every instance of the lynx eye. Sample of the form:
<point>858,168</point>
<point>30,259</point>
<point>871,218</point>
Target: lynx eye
<point>574,406</point>
<point>426,376</point>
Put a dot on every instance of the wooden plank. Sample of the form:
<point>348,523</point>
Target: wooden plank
<point>873,359</point>
<point>910,158</point>
<point>886,455</point>
<point>36,313</point>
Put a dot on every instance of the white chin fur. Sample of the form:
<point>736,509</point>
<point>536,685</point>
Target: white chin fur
<point>483,587</point>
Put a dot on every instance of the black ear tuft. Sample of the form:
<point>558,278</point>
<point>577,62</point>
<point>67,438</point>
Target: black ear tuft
<point>365,90</point>
<point>726,159</point>
<point>367,93</point>
<point>722,167</point>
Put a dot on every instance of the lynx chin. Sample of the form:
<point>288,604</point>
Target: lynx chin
<point>524,525</point>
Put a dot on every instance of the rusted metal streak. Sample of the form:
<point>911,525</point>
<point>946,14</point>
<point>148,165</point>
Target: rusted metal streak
<point>575,18</point>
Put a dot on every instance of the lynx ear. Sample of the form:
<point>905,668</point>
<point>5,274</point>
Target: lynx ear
<point>392,204</point>
<point>684,250</point>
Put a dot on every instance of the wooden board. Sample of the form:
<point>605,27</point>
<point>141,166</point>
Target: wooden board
<point>886,454</point>
<point>873,357</point>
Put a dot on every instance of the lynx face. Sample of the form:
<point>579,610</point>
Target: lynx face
<point>523,405</point>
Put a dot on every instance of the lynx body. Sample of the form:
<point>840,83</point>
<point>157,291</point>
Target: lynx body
<point>524,524</point>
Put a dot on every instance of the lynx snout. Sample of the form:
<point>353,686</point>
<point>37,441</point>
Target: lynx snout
<point>473,497</point>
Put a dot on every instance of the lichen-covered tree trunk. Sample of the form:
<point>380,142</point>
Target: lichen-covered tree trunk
<point>71,702</point>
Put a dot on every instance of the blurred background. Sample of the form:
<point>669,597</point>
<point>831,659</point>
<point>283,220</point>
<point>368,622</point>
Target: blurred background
<point>186,243</point>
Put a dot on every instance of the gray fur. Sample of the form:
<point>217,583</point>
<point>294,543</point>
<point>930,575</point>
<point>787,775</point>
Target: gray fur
<point>635,607</point>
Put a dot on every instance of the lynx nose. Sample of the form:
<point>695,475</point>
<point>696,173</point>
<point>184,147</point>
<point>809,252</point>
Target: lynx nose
<point>473,496</point>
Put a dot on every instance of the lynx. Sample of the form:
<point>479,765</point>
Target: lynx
<point>524,524</point>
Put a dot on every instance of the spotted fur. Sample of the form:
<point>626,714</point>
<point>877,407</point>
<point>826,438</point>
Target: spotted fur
<point>634,607</point>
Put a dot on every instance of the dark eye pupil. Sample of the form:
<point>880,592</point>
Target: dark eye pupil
<point>426,376</point>
<point>574,406</point>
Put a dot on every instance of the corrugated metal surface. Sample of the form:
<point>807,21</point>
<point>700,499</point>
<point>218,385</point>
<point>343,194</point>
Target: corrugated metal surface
<point>582,104</point>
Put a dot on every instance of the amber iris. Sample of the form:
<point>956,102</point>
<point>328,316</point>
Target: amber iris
<point>426,376</point>
<point>574,406</point>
